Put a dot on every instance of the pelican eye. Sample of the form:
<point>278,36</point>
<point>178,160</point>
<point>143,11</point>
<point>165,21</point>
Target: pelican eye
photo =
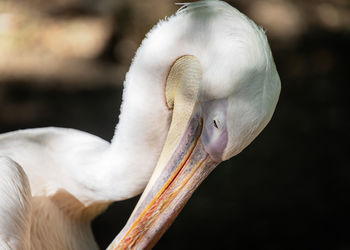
<point>216,123</point>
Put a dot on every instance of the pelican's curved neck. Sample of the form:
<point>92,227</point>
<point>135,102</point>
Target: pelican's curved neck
<point>145,118</point>
<point>141,132</point>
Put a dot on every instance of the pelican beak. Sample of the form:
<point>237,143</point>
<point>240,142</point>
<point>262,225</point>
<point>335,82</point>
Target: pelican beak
<point>182,166</point>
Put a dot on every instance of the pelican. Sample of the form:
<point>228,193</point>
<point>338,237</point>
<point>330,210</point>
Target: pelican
<point>202,86</point>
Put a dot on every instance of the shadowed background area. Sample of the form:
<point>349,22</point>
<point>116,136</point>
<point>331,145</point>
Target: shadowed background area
<point>63,62</point>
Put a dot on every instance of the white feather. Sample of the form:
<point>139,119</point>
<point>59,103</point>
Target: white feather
<point>74,175</point>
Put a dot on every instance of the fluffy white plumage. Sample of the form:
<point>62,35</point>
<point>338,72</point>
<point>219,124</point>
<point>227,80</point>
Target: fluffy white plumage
<point>73,175</point>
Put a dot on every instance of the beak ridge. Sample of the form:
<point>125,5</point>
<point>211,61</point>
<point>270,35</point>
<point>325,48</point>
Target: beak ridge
<point>182,166</point>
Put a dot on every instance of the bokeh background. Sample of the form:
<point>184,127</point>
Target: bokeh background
<point>63,62</point>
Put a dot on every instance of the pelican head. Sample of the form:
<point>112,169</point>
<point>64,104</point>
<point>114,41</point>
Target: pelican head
<point>221,88</point>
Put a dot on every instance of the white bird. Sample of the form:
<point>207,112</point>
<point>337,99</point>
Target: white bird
<point>201,87</point>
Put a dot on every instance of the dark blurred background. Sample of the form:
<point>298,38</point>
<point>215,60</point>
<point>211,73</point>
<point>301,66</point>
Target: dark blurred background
<point>62,63</point>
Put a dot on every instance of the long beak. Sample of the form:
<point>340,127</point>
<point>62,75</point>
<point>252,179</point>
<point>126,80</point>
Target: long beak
<point>182,166</point>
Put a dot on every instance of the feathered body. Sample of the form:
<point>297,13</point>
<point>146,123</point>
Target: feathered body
<point>54,181</point>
